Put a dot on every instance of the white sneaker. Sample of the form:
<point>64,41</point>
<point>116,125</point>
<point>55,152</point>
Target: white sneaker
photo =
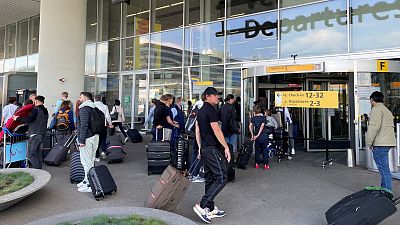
<point>216,213</point>
<point>202,213</point>
<point>103,155</point>
<point>293,152</point>
<point>81,184</point>
<point>126,139</point>
<point>97,159</point>
<point>198,179</point>
<point>85,189</point>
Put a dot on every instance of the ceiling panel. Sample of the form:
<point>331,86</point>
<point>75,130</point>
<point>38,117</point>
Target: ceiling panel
<point>12,11</point>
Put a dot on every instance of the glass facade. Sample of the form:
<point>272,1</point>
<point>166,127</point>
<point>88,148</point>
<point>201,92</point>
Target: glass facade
<point>171,45</point>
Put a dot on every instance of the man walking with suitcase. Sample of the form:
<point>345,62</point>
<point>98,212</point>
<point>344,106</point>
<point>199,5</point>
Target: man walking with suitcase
<point>210,138</point>
<point>108,123</point>
<point>87,140</point>
<point>380,137</point>
<point>37,121</point>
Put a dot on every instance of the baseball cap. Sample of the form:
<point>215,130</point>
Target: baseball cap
<point>211,91</point>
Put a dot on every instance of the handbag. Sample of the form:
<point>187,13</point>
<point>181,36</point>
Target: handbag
<point>114,116</point>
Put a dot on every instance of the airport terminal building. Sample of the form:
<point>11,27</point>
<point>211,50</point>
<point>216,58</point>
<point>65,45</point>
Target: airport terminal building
<point>249,48</point>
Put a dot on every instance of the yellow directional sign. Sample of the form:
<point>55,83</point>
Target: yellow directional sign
<point>307,99</point>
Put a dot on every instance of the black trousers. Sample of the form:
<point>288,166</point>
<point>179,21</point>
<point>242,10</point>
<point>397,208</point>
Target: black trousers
<point>35,145</point>
<point>119,125</point>
<point>215,174</point>
<point>102,144</point>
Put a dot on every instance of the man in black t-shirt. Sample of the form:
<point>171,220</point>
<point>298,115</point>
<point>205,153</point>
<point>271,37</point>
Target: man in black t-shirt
<point>210,139</point>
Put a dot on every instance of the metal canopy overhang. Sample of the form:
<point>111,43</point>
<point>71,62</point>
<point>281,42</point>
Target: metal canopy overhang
<point>12,11</point>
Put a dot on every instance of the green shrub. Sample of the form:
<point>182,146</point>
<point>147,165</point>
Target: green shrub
<point>106,220</point>
<point>11,182</point>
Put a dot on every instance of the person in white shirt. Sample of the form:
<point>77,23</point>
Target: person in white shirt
<point>9,110</point>
<point>289,127</point>
<point>102,137</point>
<point>119,112</point>
<point>271,122</point>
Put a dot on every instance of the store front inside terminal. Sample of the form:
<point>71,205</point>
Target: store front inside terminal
<point>345,125</point>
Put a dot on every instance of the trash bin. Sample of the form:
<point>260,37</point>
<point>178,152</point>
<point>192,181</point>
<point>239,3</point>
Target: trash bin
<point>350,158</point>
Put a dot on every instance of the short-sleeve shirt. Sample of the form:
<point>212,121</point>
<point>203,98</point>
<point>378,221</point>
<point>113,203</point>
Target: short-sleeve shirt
<point>160,115</point>
<point>8,111</point>
<point>207,114</point>
<point>257,121</point>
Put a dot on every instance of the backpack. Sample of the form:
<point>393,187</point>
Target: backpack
<point>97,121</point>
<point>191,121</point>
<point>62,120</point>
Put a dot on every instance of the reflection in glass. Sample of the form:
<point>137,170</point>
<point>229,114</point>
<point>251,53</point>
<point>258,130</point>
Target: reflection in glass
<point>9,65</point>
<point>127,85</point>
<point>135,53</point>
<point>34,35</point>
<point>21,63</point>
<point>315,29</point>
<point>102,56</point>
<point>91,21</point>
<point>33,62</point>
<point>202,11</point>
<point>1,65</point>
<point>2,37</point>
<point>166,49</point>
<point>374,24</point>
<point>113,56</point>
<point>287,3</point>
<point>90,59</point>
<point>10,41</point>
<point>239,7</point>
<point>214,74</point>
<point>108,86</point>
<point>168,14</point>
<point>22,38</point>
<point>165,81</point>
<point>89,84</point>
<point>252,45</point>
<point>111,21</point>
<point>140,98</point>
<point>137,18</point>
<point>202,46</point>
<point>232,82</point>
<point>191,74</point>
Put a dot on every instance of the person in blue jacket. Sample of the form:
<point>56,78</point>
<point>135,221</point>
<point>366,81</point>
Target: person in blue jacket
<point>63,121</point>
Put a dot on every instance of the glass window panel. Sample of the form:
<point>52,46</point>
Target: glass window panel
<point>140,97</point>
<point>2,39</point>
<point>214,74</point>
<point>166,49</point>
<point>21,63</point>
<point>191,74</point>
<point>202,11</point>
<point>168,14</point>
<point>102,56</point>
<point>89,84</point>
<point>22,38</point>
<point>111,21</point>
<point>9,65</point>
<point>240,7</point>
<point>108,86</point>
<point>252,45</point>
<point>90,59</point>
<point>287,3</point>
<point>34,35</point>
<point>127,85</point>
<point>113,56</point>
<point>10,41</point>
<point>33,63</point>
<point>137,20</point>
<point>315,29</point>
<point>135,53</point>
<point>1,65</point>
<point>373,24</point>
<point>165,82</point>
<point>202,46</point>
<point>91,21</point>
<point>232,82</point>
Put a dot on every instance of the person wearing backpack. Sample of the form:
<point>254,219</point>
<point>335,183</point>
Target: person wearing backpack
<point>64,97</point>
<point>63,121</point>
<point>230,126</point>
<point>103,136</point>
<point>88,140</point>
<point>118,117</point>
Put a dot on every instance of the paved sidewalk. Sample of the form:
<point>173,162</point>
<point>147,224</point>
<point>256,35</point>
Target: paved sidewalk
<point>293,192</point>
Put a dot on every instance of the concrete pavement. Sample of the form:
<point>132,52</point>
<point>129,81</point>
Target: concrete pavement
<point>296,192</point>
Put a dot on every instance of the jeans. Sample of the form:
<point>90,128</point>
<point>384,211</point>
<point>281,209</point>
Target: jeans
<point>232,140</point>
<point>88,153</point>
<point>381,158</point>
<point>215,174</point>
<point>35,145</point>
<point>196,164</point>
<point>119,124</point>
<point>102,144</point>
<point>261,148</point>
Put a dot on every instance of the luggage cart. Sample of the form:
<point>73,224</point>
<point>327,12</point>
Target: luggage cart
<point>15,146</point>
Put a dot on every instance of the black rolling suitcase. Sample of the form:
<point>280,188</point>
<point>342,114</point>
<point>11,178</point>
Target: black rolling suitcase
<point>244,155</point>
<point>77,173</point>
<point>180,154</point>
<point>158,156</point>
<point>115,154</point>
<point>59,152</point>
<point>101,182</point>
<point>133,134</point>
<point>366,207</point>
<point>231,173</point>
<point>48,142</point>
